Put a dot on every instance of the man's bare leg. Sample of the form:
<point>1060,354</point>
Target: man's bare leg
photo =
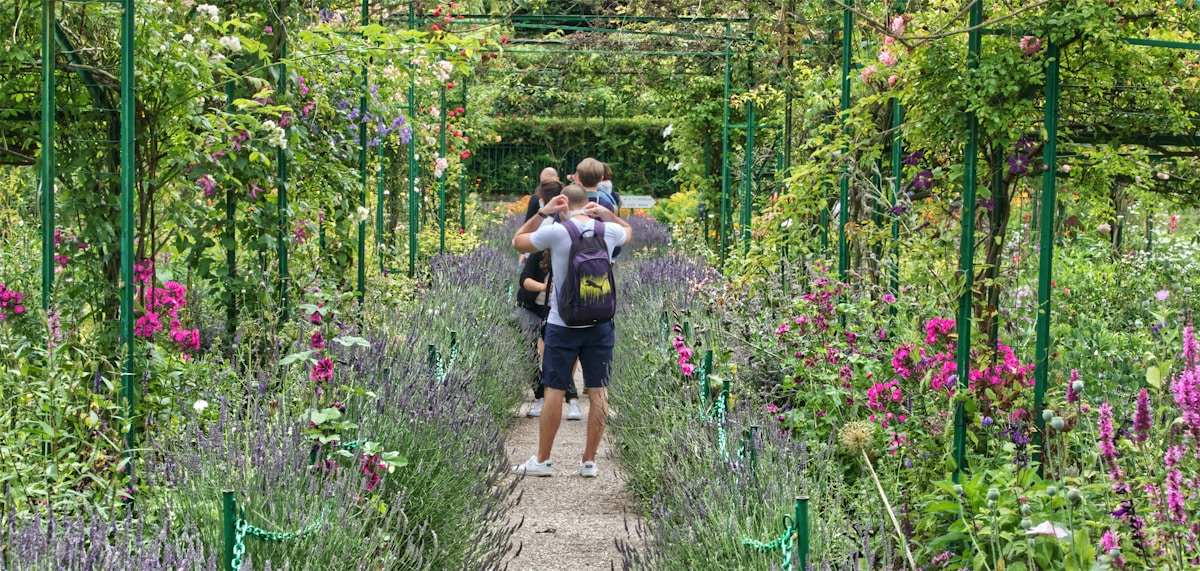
<point>551,418</point>
<point>597,418</point>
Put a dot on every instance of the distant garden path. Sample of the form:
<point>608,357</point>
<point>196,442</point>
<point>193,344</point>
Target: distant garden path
<point>570,522</point>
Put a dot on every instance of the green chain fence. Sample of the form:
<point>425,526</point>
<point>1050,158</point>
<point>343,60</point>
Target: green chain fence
<point>236,528</point>
<point>792,543</point>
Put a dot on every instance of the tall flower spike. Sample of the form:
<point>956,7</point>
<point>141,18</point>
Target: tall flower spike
<point>1141,417</point>
<point>1107,447</point>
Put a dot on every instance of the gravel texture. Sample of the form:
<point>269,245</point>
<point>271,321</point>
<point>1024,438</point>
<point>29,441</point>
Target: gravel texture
<point>571,522</point>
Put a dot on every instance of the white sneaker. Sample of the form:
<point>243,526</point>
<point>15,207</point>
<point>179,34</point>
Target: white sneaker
<point>532,467</point>
<point>573,412</point>
<point>536,409</point>
<point>587,469</point>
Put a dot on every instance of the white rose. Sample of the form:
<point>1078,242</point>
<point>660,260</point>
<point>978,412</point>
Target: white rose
<point>200,405</point>
<point>232,43</point>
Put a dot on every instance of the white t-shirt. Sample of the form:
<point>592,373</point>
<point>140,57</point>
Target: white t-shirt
<point>556,237</point>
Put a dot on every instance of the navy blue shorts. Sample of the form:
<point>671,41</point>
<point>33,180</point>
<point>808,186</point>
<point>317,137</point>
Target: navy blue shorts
<point>592,346</point>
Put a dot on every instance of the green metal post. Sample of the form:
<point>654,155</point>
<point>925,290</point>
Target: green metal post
<point>442,179</point>
<point>379,203</point>
<point>282,183</point>
<point>228,528</point>
<point>824,217</point>
<point>1046,237</point>
<point>993,297</point>
<point>751,451</point>
<point>725,394</point>
<point>462,193</point>
<point>362,168</point>
<point>748,192</point>
<point>412,159</point>
<point>724,227</point>
<point>230,240</point>
<point>704,386</point>
<point>128,191</point>
<point>844,188</point>
<point>966,264</point>
<point>897,173</point>
<point>787,104</point>
<point>48,176</point>
<point>801,522</point>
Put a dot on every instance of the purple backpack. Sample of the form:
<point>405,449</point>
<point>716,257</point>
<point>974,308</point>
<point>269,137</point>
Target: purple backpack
<point>589,294</point>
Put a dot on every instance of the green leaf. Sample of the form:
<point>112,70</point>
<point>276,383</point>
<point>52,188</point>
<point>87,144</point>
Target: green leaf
<point>1154,377</point>
<point>296,357</point>
<point>349,341</point>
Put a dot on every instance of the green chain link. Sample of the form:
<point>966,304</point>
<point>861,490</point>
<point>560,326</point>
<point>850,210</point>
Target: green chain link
<point>278,536</point>
<point>243,528</point>
<point>783,544</point>
<point>721,428</point>
<point>443,368</point>
<point>239,545</point>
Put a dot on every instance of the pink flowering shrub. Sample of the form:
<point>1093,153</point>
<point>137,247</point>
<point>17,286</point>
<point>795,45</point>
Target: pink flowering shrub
<point>159,305</point>
<point>10,303</point>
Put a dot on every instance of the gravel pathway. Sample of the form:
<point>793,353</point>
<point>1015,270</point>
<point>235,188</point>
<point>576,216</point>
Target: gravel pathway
<point>570,522</point>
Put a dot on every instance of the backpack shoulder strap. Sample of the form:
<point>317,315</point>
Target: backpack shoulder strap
<point>572,229</point>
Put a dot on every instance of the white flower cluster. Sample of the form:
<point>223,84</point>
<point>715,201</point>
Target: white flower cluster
<point>276,136</point>
<point>364,213</point>
<point>439,166</point>
<point>443,69</point>
<point>231,43</point>
<point>210,12</point>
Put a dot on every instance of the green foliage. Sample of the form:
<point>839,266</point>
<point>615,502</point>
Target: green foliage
<point>632,146</point>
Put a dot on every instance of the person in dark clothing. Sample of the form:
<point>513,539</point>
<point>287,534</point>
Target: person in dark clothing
<point>533,302</point>
<point>533,307</point>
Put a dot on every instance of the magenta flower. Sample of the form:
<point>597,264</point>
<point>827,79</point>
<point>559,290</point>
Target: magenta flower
<point>1185,388</point>
<point>207,184</point>
<point>1072,396</point>
<point>1106,432</point>
<point>316,341</point>
<point>322,371</point>
<point>1141,418</point>
<point>889,298</point>
<point>687,369</point>
<point>147,325</point>
<point>1162,295</point>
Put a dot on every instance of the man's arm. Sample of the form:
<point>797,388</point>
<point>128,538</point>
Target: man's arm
<point>522,240</point>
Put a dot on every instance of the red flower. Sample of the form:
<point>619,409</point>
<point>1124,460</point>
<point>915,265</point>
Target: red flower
<point>463,155</point>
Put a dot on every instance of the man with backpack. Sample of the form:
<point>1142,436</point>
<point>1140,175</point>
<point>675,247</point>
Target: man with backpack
<point>581,310</point>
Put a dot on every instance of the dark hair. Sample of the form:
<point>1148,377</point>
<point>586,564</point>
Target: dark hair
<point>607,173</point>
<point>548,190</point>
<point>545,263</point>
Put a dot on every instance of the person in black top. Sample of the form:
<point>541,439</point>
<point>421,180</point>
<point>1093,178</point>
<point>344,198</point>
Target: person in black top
<point>533,307</point>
